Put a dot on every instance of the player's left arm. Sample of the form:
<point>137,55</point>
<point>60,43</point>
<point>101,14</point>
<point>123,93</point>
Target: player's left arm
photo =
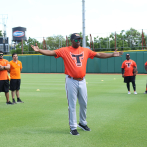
<point>107,55</point>
<point>20,66</point>
<point>122,70</point>
<point>145,67</point>
<point>135,69</point>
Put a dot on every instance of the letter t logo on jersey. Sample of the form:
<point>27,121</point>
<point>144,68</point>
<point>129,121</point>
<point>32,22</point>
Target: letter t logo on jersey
<point>78,58</point>
<point>128,64</point>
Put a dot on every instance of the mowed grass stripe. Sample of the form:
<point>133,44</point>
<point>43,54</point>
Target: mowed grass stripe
<point>116,112</point>
<point>115,118</point>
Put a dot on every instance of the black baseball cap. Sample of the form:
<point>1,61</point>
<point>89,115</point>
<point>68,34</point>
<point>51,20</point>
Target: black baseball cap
<point>75,36</point>
<point>127,54</point>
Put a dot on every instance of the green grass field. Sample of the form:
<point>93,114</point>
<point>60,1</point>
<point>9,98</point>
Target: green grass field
<point>116,119</point>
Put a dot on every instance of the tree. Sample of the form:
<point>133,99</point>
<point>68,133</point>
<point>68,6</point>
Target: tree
<point>123,41</point>
<point>1,33</point>
<point>130,39</point>
<point>27,45</point>
<point>18,48</point>
<point>101,43</point>
<point>55,42</point>
<point>27,49</point>
<point>121,44</point>
<point>133,38</point>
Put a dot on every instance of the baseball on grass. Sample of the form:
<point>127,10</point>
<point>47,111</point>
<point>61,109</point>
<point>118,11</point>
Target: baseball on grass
<point>38,90</point>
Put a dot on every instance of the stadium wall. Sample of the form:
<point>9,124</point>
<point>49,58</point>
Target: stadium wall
<point>49,64</point>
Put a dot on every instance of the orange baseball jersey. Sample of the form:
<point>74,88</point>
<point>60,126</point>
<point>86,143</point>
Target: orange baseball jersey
<point>75,60</point>
<point>128,66</point>
<point>15,69</point>
<point>3,73</point>
<point>145,64</point>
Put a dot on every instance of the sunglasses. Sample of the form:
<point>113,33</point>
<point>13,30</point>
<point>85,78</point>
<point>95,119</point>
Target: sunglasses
<point>1,54</point>
<point>76,40</point>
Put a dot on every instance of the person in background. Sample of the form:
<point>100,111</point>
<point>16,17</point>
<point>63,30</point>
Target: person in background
<point>15,76</point>
<point>4,81</point>
<point>129,70</point>
<point>145,66</point>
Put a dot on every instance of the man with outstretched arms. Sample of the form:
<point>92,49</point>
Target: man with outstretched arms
<point>4,81</point>
<point>129,70</point>
<point>75,60</point>
<point>15,75</point>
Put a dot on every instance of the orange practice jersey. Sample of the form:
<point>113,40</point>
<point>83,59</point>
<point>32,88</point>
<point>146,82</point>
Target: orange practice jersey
<point>15,69</point>
<point>145,64</point>
<point>128,66</point>
<point>75,60</point>
<point>3,73</point>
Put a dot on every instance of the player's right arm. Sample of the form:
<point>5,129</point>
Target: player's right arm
<point>44,52</point>
<point>123,69</point>
<point>145,66</point>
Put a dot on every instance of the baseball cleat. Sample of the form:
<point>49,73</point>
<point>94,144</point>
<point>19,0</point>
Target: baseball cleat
<point>74,132</point>
<point>19,100</point>
<point>14,101</point>
<point>9,103</point>
<point>85,128</point>
<point>129,92</point>
<point>135,92</point>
